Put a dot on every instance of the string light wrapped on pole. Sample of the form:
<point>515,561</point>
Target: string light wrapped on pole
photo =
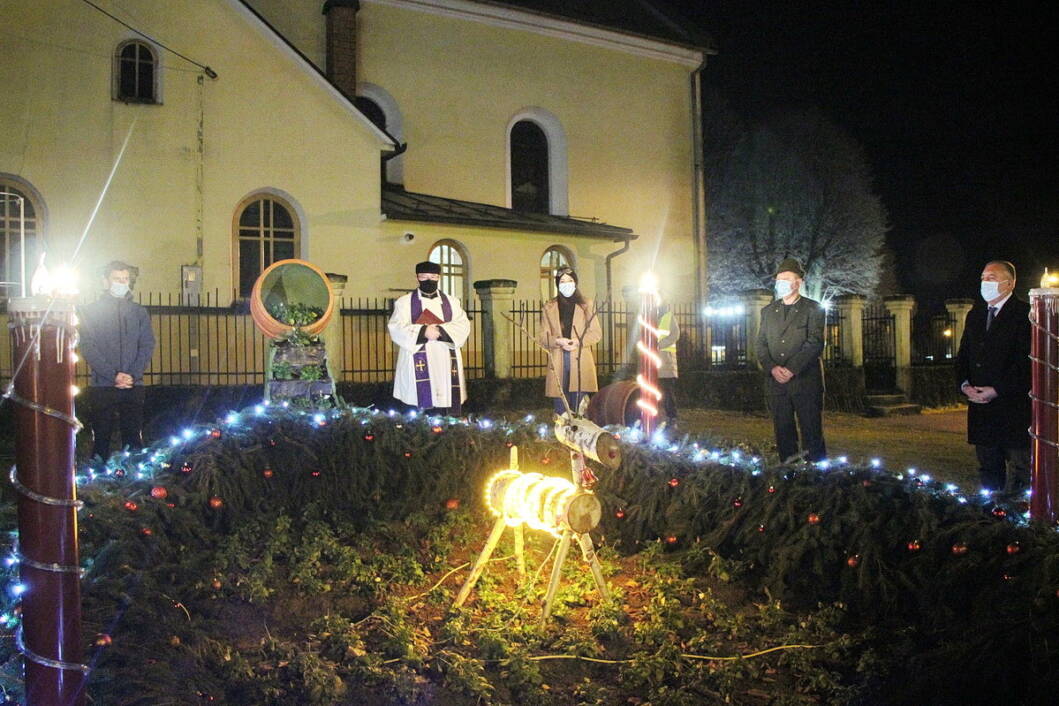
<point>43,337</point>
<point>1044,393</point>
<point>650,360</point>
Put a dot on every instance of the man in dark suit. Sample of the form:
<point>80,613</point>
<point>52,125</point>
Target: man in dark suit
<point>993,372</point>
<point>789,344</point>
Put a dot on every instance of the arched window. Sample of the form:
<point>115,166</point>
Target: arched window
<point>537,171</point>
<point>529,168</point>
<point>19,212</point>
<point>452,258</point>
<point>554,258</point>
<point>135,73</point>
<point>267,230</point>
<point>382,110</point>
<point>375,114</point>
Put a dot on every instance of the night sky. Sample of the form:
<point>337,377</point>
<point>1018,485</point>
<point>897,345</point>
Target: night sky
<point>955,104</point>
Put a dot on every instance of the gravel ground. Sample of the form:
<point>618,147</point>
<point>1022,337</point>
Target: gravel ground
<point>934,441</point>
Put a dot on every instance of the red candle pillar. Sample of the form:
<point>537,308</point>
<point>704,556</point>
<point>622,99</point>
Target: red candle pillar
<point>650,361</point>
<point>1044,355</point>
<point>43,336</point>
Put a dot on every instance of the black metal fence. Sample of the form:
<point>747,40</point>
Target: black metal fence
<point>215,343</point>
<point>880,348</point>
<point>834,356</point>
<point>933,339</point>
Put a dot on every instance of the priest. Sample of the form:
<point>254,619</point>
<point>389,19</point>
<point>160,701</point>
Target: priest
<point>429,328</point>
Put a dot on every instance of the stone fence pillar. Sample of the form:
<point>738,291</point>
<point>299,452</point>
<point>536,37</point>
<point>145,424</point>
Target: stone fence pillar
<point>851,310</point>
<point>754,301</point>
<point>958,310</point>
<point>901,306</point>
<point>496,296</point>
<point>331,336</point>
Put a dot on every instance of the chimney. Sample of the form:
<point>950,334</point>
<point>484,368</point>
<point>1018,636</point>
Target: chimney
<point>342,44</point>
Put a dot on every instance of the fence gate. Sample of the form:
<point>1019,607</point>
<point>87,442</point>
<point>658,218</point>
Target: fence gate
<point>880,349</point>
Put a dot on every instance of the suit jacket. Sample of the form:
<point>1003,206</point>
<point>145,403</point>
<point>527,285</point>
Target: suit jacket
<point>998,358</point>
<point>794,343</point>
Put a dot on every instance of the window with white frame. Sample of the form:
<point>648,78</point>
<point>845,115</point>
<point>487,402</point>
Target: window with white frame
<point>19,216</point>
<point>452,258</point>
<point>135,73</point>
<point>267,230</point>
<point>554,259</point>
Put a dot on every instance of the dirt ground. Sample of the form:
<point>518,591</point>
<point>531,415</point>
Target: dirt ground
<point>934,441</point>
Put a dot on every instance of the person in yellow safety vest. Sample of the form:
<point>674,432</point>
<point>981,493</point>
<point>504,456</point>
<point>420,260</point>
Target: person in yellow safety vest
<point>669,334</point>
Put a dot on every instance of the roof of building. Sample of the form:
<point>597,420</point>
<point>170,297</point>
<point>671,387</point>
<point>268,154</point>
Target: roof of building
<point>656,19</point>
<point>401,205</point>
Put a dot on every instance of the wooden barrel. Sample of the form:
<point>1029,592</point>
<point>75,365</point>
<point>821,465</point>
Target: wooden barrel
<point>615,404</point>
<point>290,282</point>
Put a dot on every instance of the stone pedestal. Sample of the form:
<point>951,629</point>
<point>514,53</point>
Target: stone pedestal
<point>958,310</point>
<point>496,296</point>
<point>851,310</point>
<point>902,306</point>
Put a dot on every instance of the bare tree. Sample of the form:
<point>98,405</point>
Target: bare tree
<point>795,187</point>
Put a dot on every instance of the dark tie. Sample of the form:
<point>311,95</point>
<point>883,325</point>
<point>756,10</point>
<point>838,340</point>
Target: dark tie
<point>989,317</point>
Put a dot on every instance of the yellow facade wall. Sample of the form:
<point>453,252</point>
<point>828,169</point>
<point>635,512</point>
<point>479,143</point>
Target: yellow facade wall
<point>266,124</point>
<point>459,82</point>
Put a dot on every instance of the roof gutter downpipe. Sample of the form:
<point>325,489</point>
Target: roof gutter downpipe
<point>698,200</point>
<point>619,251</point>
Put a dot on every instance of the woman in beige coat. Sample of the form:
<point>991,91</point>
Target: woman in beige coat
<point>568,328</point>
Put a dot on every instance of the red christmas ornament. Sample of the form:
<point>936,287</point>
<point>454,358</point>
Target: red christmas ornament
<point>146,531</point>
<point>1014,548</point>
<point>761,528</point>
<point>772,489</point>
<point>959,549</point>
<point>436,429</point>
<point>170,504</point>
<point>671,539</point>
<point>271,442</point>
<point>216,503</point>
<point>620,514</point>
<point>674,482</point>
<point>866,483</point>
<point>315,474</point>
<point>185,468</point>
<point>813,518</point>
<point>215,433</point>
<point>738,502</point>
<point>452,503</point>
<point>160,493</point>
<point>509,444</point>
<point>546,460</point>
<point>853,561</point>
<point>999,513</point>
<point>914,545</point>
<point>216,584</point>
<point>369,437</point>
<point>408,454</point>
<point>131,506</point>
<point>103,640</point>
<point>267,473</point>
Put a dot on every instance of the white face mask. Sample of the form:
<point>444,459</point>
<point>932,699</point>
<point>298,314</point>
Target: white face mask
<point>119,289</point>
<point>990,290</point>
<point>783,288</point>
<point>567,289</point>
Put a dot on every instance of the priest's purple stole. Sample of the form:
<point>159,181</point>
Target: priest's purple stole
<point>421,366</point>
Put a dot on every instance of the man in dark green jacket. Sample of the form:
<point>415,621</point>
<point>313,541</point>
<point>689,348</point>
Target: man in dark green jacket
<point>789,344</point>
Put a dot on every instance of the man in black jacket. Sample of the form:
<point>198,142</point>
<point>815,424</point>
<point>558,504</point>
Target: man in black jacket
<point>993,372</point>
<point>789,344</point>
<point>117,342</point>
